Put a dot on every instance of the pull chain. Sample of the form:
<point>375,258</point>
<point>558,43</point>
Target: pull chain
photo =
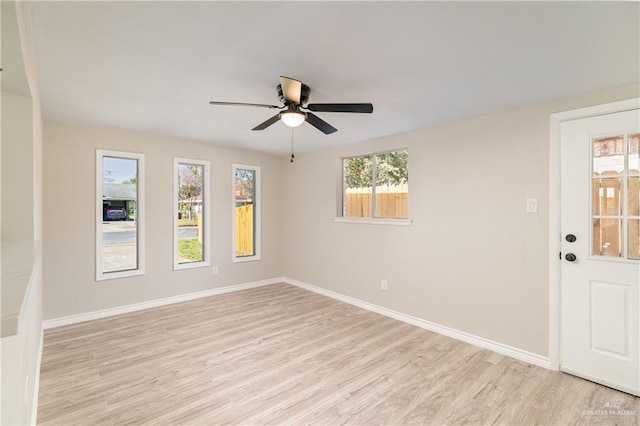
<point>292,156</point>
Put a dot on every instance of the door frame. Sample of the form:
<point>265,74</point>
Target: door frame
<point>555,230</point>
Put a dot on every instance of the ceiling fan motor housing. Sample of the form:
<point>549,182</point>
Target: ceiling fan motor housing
<point>304,95</point>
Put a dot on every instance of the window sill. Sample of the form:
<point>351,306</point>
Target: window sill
<point>191,265</point>
<point>105,276</point>
<point>246,259</point>
<point>374,221</point>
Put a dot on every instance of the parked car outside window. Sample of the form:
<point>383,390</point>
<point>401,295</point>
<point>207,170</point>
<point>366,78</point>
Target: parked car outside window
<point>115,213</point>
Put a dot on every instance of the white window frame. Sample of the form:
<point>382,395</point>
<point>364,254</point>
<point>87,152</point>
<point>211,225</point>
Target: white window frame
<point>257,240</point>
<point>340,194</point>
<point>206,207</point>
<point>140,211</point>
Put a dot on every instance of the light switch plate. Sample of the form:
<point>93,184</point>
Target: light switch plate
<point>532,205</point>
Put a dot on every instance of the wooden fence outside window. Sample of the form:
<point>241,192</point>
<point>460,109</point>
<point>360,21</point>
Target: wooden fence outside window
<point>244,231</point>
<point>391,201</point>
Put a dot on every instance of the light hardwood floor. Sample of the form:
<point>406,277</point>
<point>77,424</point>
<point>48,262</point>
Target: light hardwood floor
<point>282,355</point>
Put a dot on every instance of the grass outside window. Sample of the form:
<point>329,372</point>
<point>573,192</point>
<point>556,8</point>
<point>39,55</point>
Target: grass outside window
<point>190,249</point>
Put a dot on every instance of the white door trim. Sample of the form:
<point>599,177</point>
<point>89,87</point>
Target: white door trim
<point>554,213</point>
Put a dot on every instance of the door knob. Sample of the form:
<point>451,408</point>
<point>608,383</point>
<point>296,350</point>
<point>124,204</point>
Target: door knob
<point>570,257</point>
<point>570,237</point>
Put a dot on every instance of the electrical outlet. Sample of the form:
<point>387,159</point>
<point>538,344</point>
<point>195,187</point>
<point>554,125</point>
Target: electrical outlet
<point>383,286</point>
<point>214,270</point>
<point>532,205</point>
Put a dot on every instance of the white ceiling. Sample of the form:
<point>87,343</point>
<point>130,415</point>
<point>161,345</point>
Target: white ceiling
<point>154,66</point>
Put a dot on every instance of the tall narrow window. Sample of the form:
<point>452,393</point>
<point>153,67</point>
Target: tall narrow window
<point>191,213</point>
<point>376,185</point>
<point>246,212</point>
<point>120,214</point>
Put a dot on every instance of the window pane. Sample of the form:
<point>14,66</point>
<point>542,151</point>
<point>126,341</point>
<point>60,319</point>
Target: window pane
<point>607,237</point>
<point>392,184</point>
<point>245,209</point>
<point>634,147</point>
<point>634,238</point>
<point>358,180</point>
<point>190,212</point>
<point>119,211</point>
<point>634,196</point>
<point>376,185</point>
<point>608,156</point>
<point>607,197</point>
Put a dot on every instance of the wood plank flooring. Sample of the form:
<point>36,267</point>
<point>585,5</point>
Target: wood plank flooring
<point>282,355</point>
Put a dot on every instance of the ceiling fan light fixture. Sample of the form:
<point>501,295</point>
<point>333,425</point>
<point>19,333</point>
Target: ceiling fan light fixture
<point>294,94</point>
<point>293,118</point>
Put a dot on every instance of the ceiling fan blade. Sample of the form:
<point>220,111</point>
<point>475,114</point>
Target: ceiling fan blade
<point>360,108</point>
<point>320,124</point>
<point>291,89</point>
<point>267,123</point>
<point>244,104</point>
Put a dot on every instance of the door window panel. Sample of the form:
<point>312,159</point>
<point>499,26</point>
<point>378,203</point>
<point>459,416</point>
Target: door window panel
<point>607,237</point>
<point>634,147</point>
<point>608,156</point>
<point>634,238</point>
<point>634,196</point>
<point>615,187</point>
<point>607,197</point>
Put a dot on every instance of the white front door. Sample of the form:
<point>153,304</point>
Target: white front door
<point>600,187</point>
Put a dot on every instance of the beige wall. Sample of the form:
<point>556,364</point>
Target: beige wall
<point>69,220</point>
<point>17,168</point>
<point>472,260</point>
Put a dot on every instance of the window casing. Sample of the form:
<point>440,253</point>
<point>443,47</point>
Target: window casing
<point>191,214</point>
<point>375,186</point>
<point>246,207</point>
<point>120,236</point>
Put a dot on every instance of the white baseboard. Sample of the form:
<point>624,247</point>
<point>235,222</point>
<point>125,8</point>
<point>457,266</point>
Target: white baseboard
<point>491,345</point>
<point>74,319</point>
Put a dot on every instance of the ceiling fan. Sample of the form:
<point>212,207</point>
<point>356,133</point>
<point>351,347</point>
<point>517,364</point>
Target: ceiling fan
<point>294,94</point>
